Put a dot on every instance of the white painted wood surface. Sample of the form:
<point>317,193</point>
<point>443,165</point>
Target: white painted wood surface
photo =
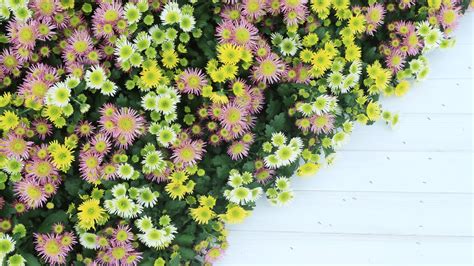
<point>393,197</point>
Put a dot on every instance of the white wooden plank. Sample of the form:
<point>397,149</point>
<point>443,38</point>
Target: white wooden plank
<point>367,213</point>
<point>276,248</point>
<point>451,63</point>
<point>394,172</point>
<point>416,132</point>
<point>446,96</point>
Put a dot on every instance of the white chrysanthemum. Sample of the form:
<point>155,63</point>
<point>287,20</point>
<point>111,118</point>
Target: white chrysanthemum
<point>147,198</point>
<point>432,39</point>
<point>7,244</point>
<point>272,161</point>
<point>58,95</point>
<point>132,13</point>
<point>124,49</point>
<point>125,171</point>
<point>166,135</point>
<point>119,190</point>
<point>72,82</point>
<point>286,155</point>
<point>171,14</point>
<point>335,81</point>
<point>256,193</point>
<point>278,139</point>
<point>153,161</point>
<point>356,67</point>
<point>122,206</point>
<point>187,23</point>
<point>297,144</point>
<point>282,183</point>
<point>235,179</point>
<point>423,28</point>
<point>150,102</point>
<point>165,104</point>
<point>239,195</point>
<point>88,240</point>
<point>306,109</point>
<point>95,77</point>
<point>349,82</point>
<point>108,88</point>
<point>144,224</point>
<point>142,41</point>
<point>153,238</point>
<point>289,46</point>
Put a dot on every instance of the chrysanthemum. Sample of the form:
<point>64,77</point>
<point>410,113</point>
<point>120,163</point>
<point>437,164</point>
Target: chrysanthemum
<point>9,120</point>
<point>90,166</point>
<point>89,213</point>
<point>269,69</point>
<point>238,150</point>
<point>42,128</point>
<point>153,161</point>
<point>80,42</point>
<point>322,123</point>
<point>122,235</point>
<point>395,61</point>
<point>202,214</point>
<point>30,192</point>
<point>51,248</point>
<point>128,126</point>
<point>58,95</point>
<point>254,9</point>
<point>15,146</point>
<point>146,197</point>
<point>41,169</point>
<point>235,214</point>
<point>243,33</point>
<point>23,34</point>
<point>191,81</point>
<point>95,77</point>
<point>9,62</point>
<point>188,152</point>
<point>449,16</point>
<point>106,17</point>
<point>213,254</point>
<point>233,118</point>
<point>171,14</point>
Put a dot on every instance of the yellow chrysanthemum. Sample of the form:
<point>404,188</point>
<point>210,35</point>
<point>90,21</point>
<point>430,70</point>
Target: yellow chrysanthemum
<point>90,213</point>
<point>219,98</point>
<point>229,53</point>
<point>202,214</point>
<point>402,88</point>
<point>321,60</point>
<point>9,120</point>
<point>61,156</point>
<point>373,111</point>
<point>353,53</point>
<point>357,23</point>
<point>151,76</point>
<point>308,169</point>
<point>235,215</point>
<point>169,59</point>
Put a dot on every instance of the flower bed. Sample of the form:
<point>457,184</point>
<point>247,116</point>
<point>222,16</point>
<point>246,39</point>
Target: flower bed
<point>133,132</point>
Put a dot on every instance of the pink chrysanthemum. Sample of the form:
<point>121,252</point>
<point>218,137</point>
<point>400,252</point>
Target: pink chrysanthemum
<point>404,4</point>
<point>233,118</point>
<point>128,126</point>
<point>79,43</point>
<point>213,254</point>
<point>188,152</point>
<point>122,235</point>
<point>30,192</point>
<point>322,123</point>
<point>9,62</point>
<point>42,170</point>
<point>89,166</point>
<point>449,16</point>
<point>15,146</point>
<point>231,12</point>
<point>375,15</point>
<point>395,61</point>
<point>263,175</point>
<point>54,248</point>
<point>191,81</point>
<point>105,18</point>
<point>244,33</point>
<point>238,150</point>
<point>42,128</point>
<point>269,69</point>
<point>45,8</point>
<point>224,31</point>
<point>254,9</point>
<point>101,144</point>
<point>412,43</point>
<point>119,255</point>
<point>23,34</point>
<point>46,30</point>
<point>84,129</point>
